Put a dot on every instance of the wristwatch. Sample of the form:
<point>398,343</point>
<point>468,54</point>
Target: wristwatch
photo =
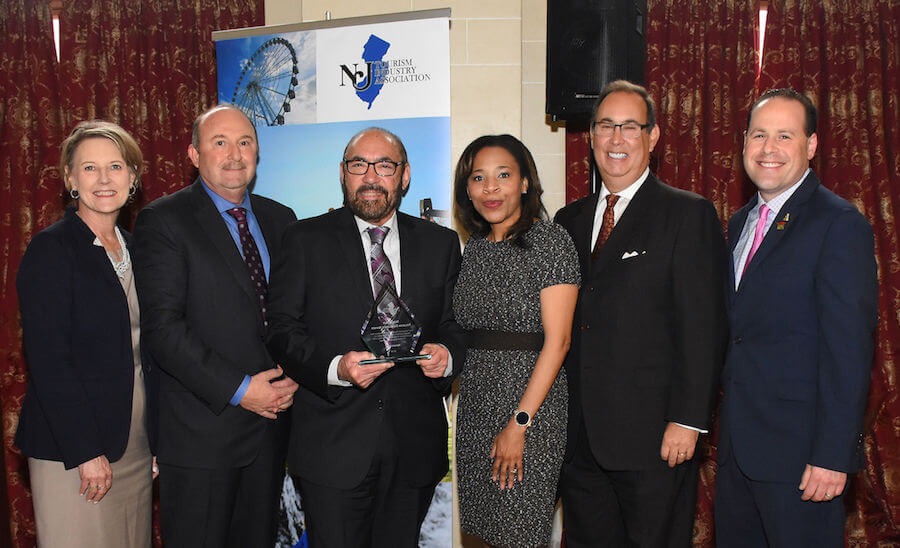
<point>522,418</point>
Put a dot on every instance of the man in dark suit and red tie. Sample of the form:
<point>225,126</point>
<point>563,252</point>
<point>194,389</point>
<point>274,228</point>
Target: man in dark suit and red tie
<point>802,299</point>
<point>648,339</point>
<point>204,258</point>
<point>369,441</point>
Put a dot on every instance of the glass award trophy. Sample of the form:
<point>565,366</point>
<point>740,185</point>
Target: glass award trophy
<point>391,331</point>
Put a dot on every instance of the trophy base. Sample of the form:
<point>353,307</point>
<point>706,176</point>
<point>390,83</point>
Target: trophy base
<point>402,359</point>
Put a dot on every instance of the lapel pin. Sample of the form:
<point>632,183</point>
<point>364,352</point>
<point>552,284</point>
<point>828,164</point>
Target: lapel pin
<point>782,223</point>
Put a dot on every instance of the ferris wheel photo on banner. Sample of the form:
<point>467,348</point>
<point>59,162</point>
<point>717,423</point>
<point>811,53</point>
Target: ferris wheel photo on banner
<point>308,88</point>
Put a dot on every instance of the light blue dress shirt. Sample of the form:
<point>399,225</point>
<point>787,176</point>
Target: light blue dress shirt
<point>223,206</point>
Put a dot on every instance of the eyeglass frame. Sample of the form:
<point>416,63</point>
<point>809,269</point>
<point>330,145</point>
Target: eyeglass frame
<point>346,164</point>
<point>641,127</point>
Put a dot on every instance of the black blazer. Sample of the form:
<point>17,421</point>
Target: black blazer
<point>649,331</point>
<point>77,336</point>
<point>319,296</point>
<point>802,322</point>
<point>202,325</point>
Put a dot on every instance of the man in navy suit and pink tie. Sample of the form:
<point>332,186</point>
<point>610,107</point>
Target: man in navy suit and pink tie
<point>802,298</point>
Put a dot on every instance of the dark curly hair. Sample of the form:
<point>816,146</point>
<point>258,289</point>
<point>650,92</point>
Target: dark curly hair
<point>471,222</point>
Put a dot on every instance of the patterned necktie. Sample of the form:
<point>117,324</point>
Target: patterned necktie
<point>758,236</point>
<point>382,273</point>
<point>251,257</point>
<point>609,221</point>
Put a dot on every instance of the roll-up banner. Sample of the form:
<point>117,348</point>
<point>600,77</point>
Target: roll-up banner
<point>309,87</point>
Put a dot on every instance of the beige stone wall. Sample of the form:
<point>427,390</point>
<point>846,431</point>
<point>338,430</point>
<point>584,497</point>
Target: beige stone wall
<point>497,60</point>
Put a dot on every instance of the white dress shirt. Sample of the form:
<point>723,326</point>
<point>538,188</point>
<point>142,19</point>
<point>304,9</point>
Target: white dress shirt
<point>745,242</point>
<point>391,246</point>
<point>625,198</point>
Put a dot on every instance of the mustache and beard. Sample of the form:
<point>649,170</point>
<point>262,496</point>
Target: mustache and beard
<point>373,210</point>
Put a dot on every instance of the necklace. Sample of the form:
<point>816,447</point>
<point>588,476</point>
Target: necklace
<point>120,266</point>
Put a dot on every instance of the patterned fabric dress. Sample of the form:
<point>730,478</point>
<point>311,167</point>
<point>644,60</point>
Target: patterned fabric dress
<point>499,289</point>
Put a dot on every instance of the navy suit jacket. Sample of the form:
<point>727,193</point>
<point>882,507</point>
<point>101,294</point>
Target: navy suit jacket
<point>77,336</point>
<point>319,295</point>
<point>800,355</point>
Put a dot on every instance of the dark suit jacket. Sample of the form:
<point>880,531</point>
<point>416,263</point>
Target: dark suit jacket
<point>802,324</point>
<point>202,325</point>
<point>319,296</point>
<point>77,336</point>
<point>649,330</point>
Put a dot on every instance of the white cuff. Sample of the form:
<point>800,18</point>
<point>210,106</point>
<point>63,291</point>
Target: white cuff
<point>333,379</point>
<point>702,431</point>
<point>449,370</point>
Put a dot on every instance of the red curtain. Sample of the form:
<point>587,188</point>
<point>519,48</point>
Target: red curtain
<point>846,57</point>
<point>148,65</point>
<point>701,72</point>
<point>31,198</point>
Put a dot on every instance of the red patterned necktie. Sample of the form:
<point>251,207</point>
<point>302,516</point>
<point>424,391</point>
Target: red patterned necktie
<point>606,227</point>
<point>251,257</point>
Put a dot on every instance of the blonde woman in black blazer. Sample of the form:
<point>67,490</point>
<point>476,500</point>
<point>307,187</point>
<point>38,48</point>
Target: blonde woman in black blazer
<point>85,426</point>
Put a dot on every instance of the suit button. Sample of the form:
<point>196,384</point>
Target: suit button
<point>380,405</point>
<point>738,340</point>
<point>590,288</point>
<point>585,327</point>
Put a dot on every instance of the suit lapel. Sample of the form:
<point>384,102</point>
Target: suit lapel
<point>635,214</point>
<point>411,256</point>
<point>210,220</point>
<point>270,233</point>
<point>735,228</point>
<point>582,224</point>
<point>95,254</point>
<point>350,244</point>
<point>787,218</point>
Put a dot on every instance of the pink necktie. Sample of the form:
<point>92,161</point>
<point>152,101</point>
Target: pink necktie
<point>758,236</point>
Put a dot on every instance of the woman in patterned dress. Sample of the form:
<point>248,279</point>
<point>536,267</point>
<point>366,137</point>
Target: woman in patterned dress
<point>515,297</point>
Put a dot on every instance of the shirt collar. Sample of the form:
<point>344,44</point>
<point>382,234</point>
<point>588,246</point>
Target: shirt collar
<point>776,203</point>
<point>118,235</point>
<point>224,205</point>
<point>362,225</point>
<point>629,191</point>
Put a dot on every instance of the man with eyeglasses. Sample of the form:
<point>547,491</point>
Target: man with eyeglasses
<point>648,339</point>
<point>369,441</point>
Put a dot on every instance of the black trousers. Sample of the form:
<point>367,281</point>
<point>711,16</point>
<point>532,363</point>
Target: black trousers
<point>381,512</point>
<point>234,507</point>
<point>634,508</point>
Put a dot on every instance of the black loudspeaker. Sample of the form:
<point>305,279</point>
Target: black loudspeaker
<point>589,44</point>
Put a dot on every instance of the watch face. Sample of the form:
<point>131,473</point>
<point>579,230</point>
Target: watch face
<point>522,418</point>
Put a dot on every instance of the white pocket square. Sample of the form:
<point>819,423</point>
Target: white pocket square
<point>630,254</point>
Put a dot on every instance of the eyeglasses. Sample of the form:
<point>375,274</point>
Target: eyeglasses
<point>383,168</point>
<point>630,130</point>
